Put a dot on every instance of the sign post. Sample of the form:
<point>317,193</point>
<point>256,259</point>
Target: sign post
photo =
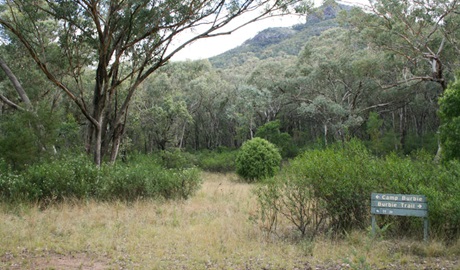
<point>400,205</point>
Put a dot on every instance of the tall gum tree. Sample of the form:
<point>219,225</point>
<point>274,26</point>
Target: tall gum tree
<point>122,42</point>
<point>422,35</point>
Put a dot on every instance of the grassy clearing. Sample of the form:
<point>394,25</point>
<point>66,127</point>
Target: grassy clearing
<point>216,229</point>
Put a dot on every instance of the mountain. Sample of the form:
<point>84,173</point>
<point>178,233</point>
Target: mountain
<point>281,41</point>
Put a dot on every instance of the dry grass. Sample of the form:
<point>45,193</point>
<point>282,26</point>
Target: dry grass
<point>216,229</point>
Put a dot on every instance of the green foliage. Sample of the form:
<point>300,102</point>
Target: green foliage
<point>449,112</point>
<point>340,178</point>
<point>221,161</point>
<point>257,159</point>
<point>175,158</point>
<point>271,132</point>
<point>373,126</point>
<point>77,177</point>
<point>29,137</point>
<point>17,139</point>
<point>146,179</point>
<point>70,177</point>
<point>330,189</point>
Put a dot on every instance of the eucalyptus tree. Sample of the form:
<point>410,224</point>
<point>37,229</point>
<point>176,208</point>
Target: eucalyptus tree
<point>270,77</point>
<point>422,35</point>
<point>421,38</point>
<point>158,116</point>
<point>124,41</point>
<point>339,89</point>
<point>208,97</point>
<point>200,97</point>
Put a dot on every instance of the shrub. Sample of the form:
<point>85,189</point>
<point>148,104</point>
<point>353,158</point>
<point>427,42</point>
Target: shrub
<point>449,113</point>
<point>148,180</point>
<point>285,196</point>
<point>257,159</point>
<point>176,158</point>
<point>217,161</point>
<point>335,185</point>
<point>271,132</point>
<point>77,177</point>
<point>340,177</point>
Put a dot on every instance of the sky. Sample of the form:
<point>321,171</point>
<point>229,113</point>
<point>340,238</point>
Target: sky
<point>205,48</point>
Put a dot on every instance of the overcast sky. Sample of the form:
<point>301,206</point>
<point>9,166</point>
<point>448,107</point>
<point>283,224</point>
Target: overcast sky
<point>209,47</point>
<point>205,48</point>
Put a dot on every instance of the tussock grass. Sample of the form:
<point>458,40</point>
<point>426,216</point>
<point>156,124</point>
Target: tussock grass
<point>216,229</point>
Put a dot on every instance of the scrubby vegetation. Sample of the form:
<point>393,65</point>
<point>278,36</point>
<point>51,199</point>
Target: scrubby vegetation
<point>329,190</point>
<point>222,160</point>
<point>76,177</point>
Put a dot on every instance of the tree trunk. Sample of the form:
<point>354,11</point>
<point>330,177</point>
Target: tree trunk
<point>115,146</point>
<point>325,134</point>
<point>97,154</point>
<point>17,85</point>
<point>402,127</point>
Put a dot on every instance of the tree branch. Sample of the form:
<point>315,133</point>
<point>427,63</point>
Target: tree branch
<point>17,85</point>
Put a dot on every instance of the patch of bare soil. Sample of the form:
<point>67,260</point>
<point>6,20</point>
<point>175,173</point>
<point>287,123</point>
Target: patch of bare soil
<point>86,261</point>
<point>52,260</point>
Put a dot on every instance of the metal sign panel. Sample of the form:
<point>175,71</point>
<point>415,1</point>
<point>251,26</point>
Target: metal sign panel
<point>399,212</point>
<point>400,205</point>
<point>398,197</point>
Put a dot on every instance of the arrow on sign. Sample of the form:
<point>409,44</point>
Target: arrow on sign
<point>419,206</point>
<point>377,196</point>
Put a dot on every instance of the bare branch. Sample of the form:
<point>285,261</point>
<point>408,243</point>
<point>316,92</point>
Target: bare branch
<point>11,103</point>
<point>17,85</point>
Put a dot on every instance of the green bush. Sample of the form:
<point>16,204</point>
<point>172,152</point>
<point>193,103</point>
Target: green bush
<point>257,159</point>
<point>77,177</point>
<point>331,189</point>
<point>217,161</point>
<point>449,112</point>
<point>289,197</point>
<point>69,177</point>
<point>340,177</point>
<point>271,132</point>
<point>176,158</point>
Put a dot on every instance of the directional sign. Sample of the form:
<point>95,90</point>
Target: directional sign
<point>400,205</point>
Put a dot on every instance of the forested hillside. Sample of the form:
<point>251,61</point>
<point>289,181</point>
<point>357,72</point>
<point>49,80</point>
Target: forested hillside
<point>279,41</point>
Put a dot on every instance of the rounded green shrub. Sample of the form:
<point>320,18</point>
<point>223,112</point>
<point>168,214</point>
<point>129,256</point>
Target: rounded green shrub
<point>257,159</point>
